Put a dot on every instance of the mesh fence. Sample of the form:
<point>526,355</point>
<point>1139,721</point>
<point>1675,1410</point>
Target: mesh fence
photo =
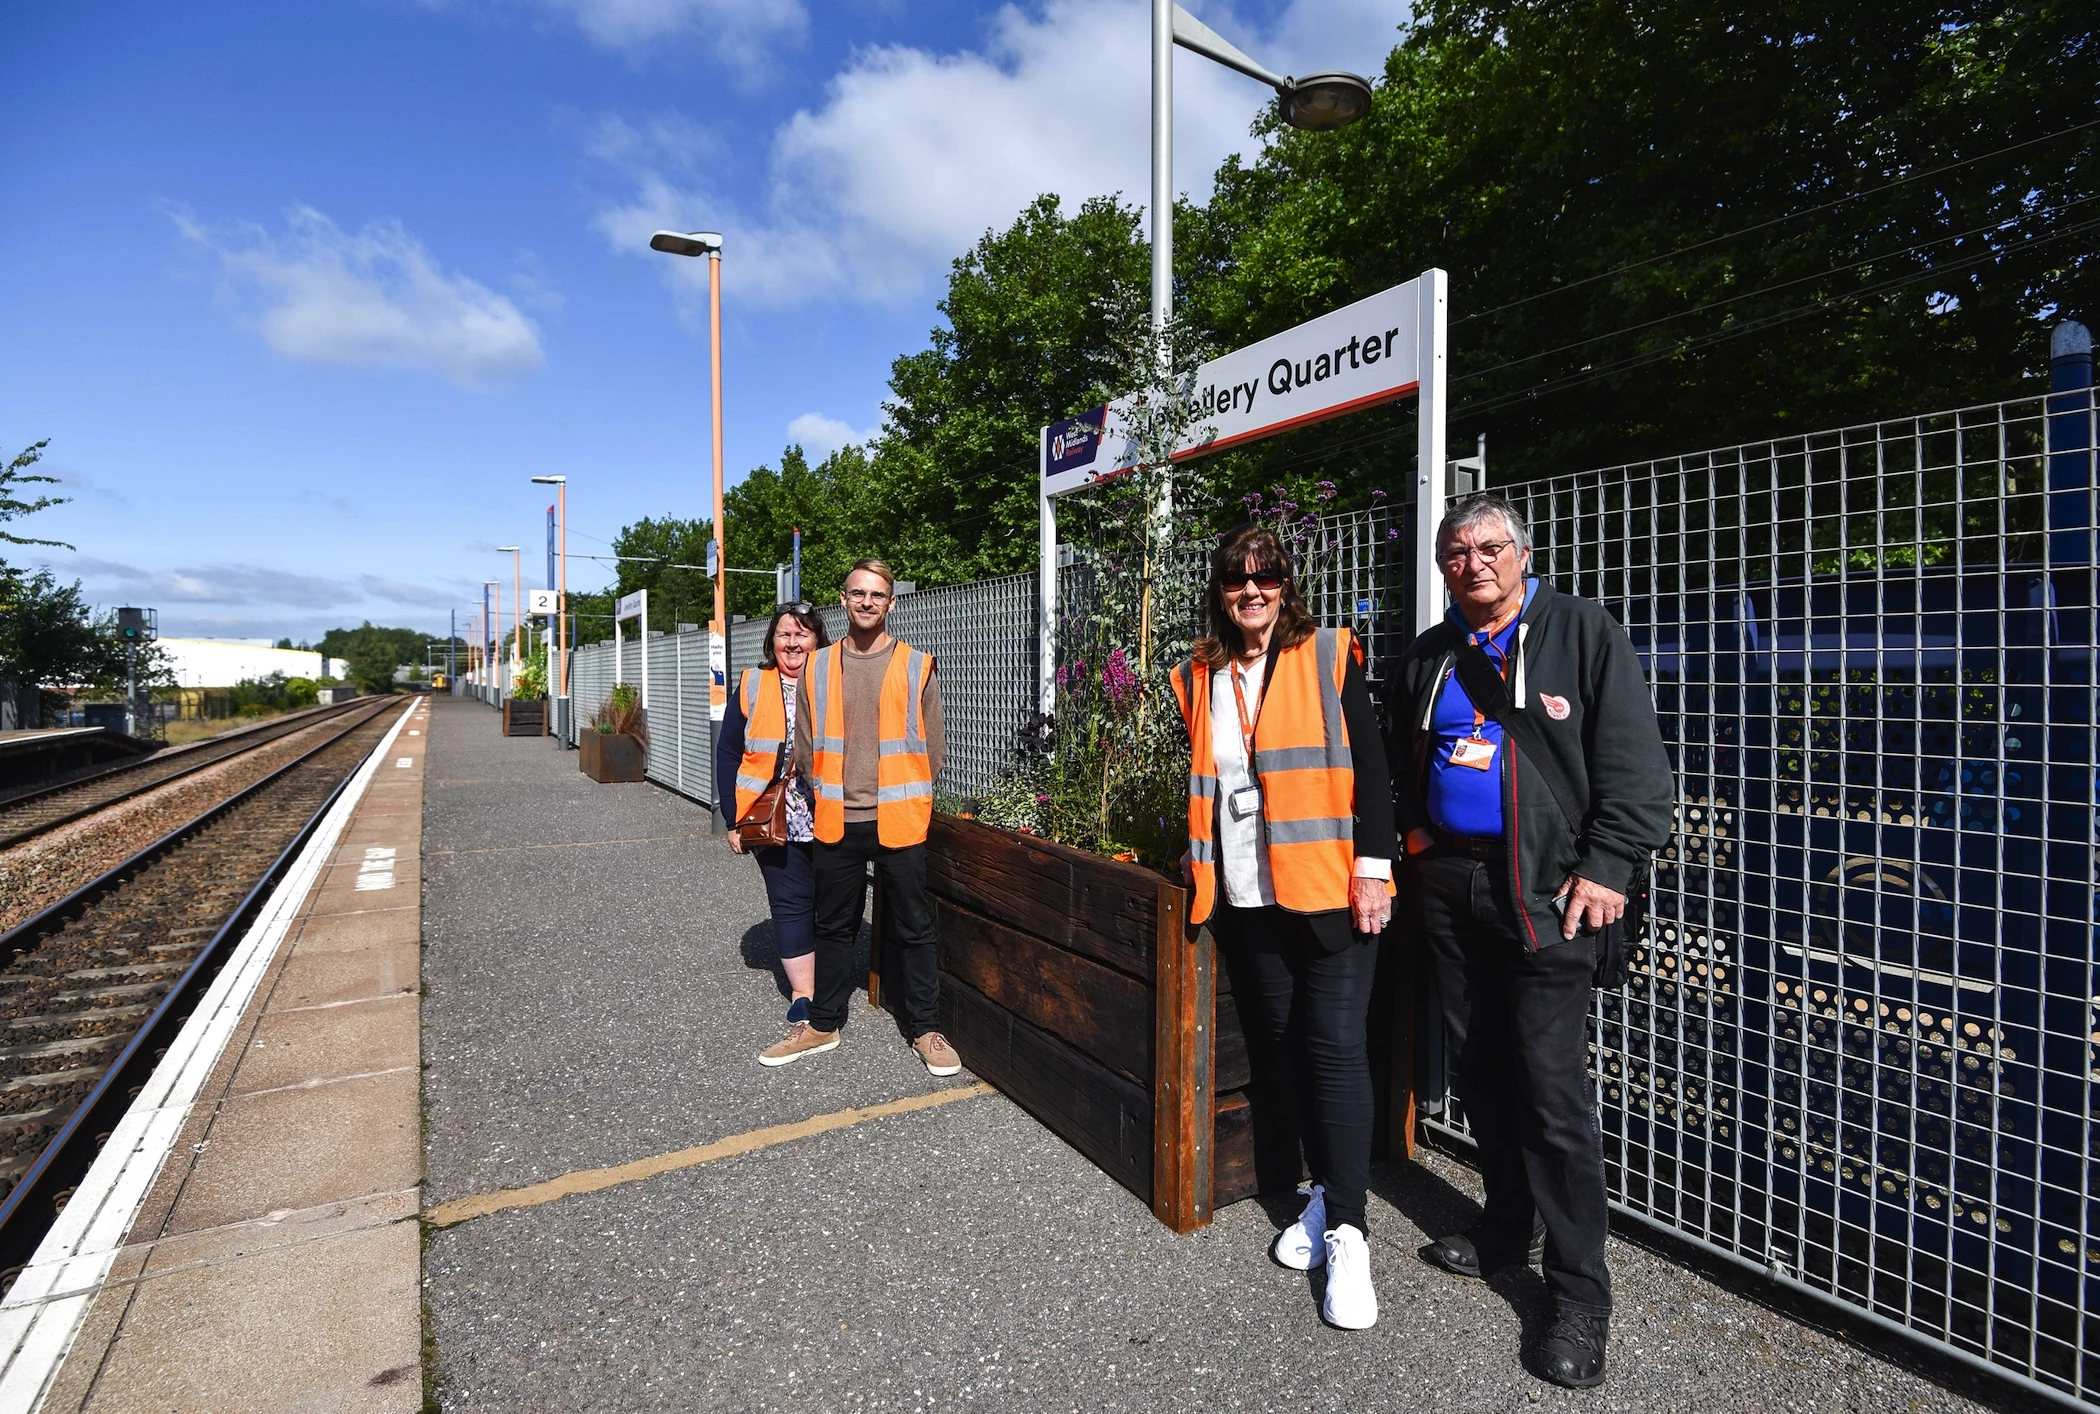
<point>1858,1050</point>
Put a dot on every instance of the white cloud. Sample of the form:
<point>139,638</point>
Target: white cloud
<point>820,436</point>
<point>913,155</point>
<point>743,34</point>
<point>375,298</point>
<point>213,584</point>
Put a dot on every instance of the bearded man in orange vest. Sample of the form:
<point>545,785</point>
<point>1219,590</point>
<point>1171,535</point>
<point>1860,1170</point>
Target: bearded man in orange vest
<point>870,745</point>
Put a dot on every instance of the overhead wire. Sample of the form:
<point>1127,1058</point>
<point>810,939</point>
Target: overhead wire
<point>1775,221</point>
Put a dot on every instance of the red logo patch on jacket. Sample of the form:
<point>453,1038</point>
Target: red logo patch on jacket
<point>1556,707</point>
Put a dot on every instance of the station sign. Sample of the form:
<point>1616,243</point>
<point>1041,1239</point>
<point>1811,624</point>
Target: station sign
<point>1358,356</point>
<point>543,601</point>
<point>632,606</point>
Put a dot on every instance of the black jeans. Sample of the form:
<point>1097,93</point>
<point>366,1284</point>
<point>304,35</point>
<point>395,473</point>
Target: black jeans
<point>1516,1020</point>
<point>1304,1010</point>
<point>842,892</point>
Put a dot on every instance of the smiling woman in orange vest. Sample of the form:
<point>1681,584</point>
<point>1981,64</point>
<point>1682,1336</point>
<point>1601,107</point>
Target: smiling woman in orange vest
<point>757,731</point>
<point>1291,850</point>
<point>871,747</point>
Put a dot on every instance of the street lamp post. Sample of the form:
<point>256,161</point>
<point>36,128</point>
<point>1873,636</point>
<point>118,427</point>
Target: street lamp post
<point>1318,102</point>
<point>709,244</point>
<point>491,632</point>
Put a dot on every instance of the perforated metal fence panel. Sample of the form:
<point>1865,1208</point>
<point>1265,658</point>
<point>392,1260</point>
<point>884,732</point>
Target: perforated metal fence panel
<point>1859,1047</point>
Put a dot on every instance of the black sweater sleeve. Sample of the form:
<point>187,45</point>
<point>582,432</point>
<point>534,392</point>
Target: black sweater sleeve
<point>729,754</point>
<point>1375,838</point>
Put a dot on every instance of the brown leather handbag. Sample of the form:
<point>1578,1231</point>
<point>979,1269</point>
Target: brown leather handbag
<point>765,824</point>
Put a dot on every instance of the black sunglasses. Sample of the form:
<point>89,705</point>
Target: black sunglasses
<point>1264,580</point>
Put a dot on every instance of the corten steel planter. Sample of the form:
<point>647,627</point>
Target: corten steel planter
<point>524,716</point>
<point>611,757</point>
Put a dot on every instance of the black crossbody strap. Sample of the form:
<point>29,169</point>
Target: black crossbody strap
<point>1491,695</point>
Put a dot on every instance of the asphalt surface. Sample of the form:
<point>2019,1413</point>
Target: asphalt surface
<point>590,1003</point>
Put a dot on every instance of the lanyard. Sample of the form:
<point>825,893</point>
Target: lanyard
<point>1487,644</point>
<point>1239,698</point>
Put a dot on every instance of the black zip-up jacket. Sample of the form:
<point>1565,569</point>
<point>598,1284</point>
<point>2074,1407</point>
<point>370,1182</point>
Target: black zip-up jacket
<point>1576,674</point>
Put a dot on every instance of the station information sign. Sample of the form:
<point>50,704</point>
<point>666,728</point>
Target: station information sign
<point>1355,357</point>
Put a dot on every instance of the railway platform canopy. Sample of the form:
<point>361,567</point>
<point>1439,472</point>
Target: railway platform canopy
<point>472,1120</point>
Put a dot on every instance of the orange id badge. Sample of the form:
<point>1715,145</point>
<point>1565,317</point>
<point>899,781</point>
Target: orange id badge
<point>1473,752</point>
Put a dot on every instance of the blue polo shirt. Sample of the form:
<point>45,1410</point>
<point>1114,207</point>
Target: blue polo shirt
<point>1462,800</point>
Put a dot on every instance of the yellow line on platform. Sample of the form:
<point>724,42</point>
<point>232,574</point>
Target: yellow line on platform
<point>480,1205</point>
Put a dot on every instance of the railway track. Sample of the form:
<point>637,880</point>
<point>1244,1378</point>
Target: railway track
<point>95,987</point>
<point>27,814</point>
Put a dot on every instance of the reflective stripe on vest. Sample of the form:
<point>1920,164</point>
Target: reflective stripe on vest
<point>1303,763</point>
<point>903,766</point>
<point>765,732</point>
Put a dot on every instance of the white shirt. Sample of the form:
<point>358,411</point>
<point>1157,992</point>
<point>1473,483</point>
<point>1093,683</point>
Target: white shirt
<point>1243,850</point>
<point>1243,847</point>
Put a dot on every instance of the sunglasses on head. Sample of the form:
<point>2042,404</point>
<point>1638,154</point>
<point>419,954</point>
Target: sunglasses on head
<point>1264,580</point>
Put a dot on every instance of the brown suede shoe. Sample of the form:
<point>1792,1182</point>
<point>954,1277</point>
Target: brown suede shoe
<point>940,1057</point>
<point>801,1040</point>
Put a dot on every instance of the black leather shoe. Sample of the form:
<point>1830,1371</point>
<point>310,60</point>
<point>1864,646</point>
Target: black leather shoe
<point>1572,1354</point>
<point>1459,1255</point>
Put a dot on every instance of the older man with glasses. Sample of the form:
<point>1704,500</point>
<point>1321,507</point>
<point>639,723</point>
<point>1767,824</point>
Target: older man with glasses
<point>1531,787</point>
<point>871,747</point>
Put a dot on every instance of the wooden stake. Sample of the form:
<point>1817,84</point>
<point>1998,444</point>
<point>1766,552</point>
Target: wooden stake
<point>1184,1119</point>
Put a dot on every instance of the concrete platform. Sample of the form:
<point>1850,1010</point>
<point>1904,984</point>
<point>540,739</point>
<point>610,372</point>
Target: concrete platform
<point>275,1261</point>
<point>847,1233</point>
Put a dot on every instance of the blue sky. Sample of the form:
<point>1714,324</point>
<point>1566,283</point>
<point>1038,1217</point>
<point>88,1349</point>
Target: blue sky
<point>303,294</point>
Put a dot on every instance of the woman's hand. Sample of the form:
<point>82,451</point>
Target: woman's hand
<point>736,841</point>
<point>1370,908</point>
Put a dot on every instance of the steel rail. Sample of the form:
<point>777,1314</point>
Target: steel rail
<point>34,929</point>
<point>37,1199</point>
<point>276,730</point>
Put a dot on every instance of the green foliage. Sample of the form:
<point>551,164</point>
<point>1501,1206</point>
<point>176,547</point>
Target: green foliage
<point>1614,191</point>
<point>256,697</point>
<point>396,645</point>
<point>12,507</point>
<point>652,551</point>
<point>530,684</point>
<point>371,666</point>
<point>621,714</point>
<point>49,637</point>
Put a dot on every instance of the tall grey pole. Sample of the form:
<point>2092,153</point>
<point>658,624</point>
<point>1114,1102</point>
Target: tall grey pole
<point>131,688</point>
<point>1162,169</point>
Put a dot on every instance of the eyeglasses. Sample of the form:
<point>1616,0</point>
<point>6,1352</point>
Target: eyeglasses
<point>1267,581</point>
<point>867,596</point>
<point>1490,553</point>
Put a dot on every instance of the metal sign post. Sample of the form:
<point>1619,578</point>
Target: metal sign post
<point>1382,348</point>
<point>633,606</point>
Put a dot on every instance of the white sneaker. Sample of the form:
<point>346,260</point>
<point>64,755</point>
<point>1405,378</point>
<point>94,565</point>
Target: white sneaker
<point>1300,1246</point>
<point>1350,1303</point>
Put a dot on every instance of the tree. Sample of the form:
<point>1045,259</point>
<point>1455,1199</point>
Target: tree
<point>399,645</point>
<point>1671,226</point>
<point>16,473</point>
<point>49,637</point>
<point>371,666</point>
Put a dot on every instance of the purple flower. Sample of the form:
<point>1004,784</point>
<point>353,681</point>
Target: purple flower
<point>1118,679</point>
<point>1326,490</point>
<point>1378,495</point>
<point>1042,800</point>
<point>1308,519</point>
<point>1252,498</point>
<point>1393,534</point>
<point>1286,506</point>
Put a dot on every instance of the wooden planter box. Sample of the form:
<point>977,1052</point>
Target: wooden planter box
<point>1072,983</point>
<point>609,756</point>
<point>524,717</point>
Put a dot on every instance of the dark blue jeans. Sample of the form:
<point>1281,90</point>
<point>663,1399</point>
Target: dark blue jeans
<point>791,892</point>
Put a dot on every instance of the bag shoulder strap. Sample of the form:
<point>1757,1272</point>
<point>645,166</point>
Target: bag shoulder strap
<point>1491,695</point>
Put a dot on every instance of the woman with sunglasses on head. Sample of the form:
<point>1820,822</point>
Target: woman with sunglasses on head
<point>755,747</point>
<point>1291,847</point>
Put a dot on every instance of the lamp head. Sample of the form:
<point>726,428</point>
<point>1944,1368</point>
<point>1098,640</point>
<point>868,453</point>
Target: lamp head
<point>687,242</point>
<point>550,480</point>
<point>506,549</point>
<point>1323,101</point>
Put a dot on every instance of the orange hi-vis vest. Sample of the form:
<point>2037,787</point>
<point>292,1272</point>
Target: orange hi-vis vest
<point>1303,765</point>
<point>904,768</point>
<point>765,732</point>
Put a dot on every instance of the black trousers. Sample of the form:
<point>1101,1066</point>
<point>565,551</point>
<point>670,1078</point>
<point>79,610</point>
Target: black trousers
<point>1304,1010</point>
<point>1516,1020</point>
<point>842,895</point>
